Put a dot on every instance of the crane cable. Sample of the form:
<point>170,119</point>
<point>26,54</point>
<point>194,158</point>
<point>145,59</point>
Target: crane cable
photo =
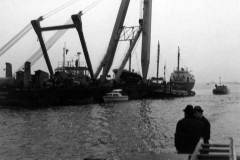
<point>91,6</point>
<point>68,4</point>
<point>28,27</point>
<point>58,9</point>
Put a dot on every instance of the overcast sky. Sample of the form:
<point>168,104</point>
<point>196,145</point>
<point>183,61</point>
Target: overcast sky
<point>207,31</point>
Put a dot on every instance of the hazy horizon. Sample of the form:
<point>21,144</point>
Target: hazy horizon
<point>208,33</point>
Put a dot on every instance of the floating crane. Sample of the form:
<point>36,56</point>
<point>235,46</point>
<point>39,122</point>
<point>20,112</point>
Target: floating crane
<point>105,65</point>
<point>52,40</point>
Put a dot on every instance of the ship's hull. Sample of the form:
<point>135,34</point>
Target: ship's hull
<point>220,91</point>
<point>187,86</point>
<point>45,97</point>
<point>182,80</point>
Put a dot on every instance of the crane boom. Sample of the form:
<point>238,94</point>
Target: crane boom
<point>108,58</point>
<point>146,37</point>
<point>128,54</point>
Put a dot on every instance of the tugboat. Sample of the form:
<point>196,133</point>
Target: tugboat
<point>220,89</point>
<point>182,79</point>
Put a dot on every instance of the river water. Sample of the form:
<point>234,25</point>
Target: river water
<point>112,131</point>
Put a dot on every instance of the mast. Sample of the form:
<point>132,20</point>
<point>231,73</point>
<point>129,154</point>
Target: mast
<point>146,37</point>
<point>158,54</point>
<point>178,59</point>
<point>130,59</point>
<point>164,77</point>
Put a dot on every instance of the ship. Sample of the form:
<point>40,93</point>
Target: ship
<point>70,85</point>
<point>220,89</point>
<point>181,78</point>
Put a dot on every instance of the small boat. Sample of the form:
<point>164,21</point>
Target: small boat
<point>220,89</point>
<point>115,96</point>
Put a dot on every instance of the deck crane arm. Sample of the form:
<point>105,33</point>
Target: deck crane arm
<point>50,42</point>
<point>37,28</point>
<point>78,24</point>
<point>106,63</point>
<point>128,54</point>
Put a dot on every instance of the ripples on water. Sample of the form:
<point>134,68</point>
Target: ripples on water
<point>111,131</point>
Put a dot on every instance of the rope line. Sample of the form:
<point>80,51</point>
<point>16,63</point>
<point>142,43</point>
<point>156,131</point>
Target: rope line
<point>91,6</point>
<point>60,8</point>
<point>15,39</point>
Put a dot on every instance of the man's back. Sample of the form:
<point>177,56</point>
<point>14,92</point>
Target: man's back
<point>188,132</point>
<point>206,129</point>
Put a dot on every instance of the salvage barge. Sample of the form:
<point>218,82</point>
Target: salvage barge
<point>75,84</point>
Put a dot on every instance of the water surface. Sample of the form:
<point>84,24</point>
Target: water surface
<point>112,131</point>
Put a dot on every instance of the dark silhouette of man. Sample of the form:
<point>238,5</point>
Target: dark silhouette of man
<point>188,132</point>
<point>198,113</point>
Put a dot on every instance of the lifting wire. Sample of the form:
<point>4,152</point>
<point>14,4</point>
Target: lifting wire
<point>28,27</point>
<point>69,3</point>
<point>60,8</point>
<point>91,6</point>
<point>15,39</point>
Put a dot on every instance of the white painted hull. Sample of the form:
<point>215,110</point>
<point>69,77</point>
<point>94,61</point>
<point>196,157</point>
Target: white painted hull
<point>115,99</point>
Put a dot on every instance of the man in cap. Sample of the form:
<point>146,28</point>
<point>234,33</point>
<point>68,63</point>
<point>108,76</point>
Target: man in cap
<point>188,132</point>
<point>198,113</point>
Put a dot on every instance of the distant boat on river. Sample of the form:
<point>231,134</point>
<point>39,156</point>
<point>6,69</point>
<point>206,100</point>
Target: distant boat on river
<point>220,89</point>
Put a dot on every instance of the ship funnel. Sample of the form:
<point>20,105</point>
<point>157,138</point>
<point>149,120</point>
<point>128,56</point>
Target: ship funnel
<point>27,74</point>
<point>8,70</point>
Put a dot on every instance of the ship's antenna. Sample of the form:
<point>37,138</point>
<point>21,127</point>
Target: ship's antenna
<point>164,73</point>
<point>158,55</point>
<point>178,58</point>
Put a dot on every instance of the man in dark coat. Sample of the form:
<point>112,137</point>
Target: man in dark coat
<point>198,113</point>
<point>188,132</point>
